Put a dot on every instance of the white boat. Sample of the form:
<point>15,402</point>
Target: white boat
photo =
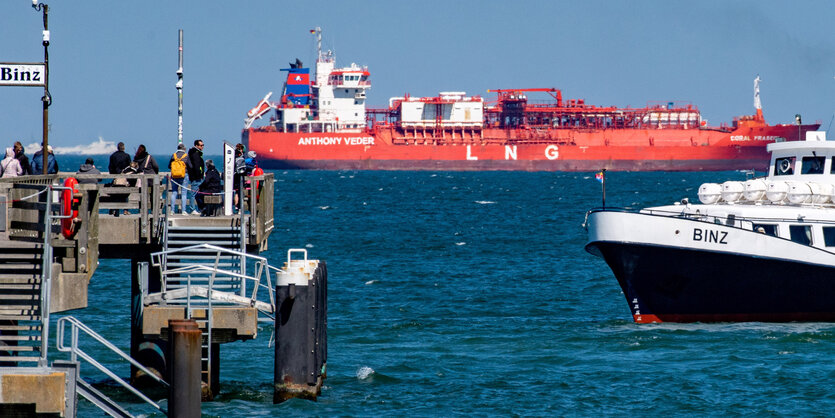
<point>759,250</point>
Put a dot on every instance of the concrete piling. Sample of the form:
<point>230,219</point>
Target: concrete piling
<point>185,383</point>
<point>301,330</point>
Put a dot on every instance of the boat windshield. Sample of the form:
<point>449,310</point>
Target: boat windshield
<point>812,165</point>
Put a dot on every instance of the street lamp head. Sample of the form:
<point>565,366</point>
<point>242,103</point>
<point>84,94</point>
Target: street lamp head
<point>39,6</point>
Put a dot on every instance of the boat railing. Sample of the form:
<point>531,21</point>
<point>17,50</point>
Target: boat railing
<point>731,220</point>
<point>76,328</point>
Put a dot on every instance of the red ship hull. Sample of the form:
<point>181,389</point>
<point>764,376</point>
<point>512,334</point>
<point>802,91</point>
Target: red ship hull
<point>673,149</point>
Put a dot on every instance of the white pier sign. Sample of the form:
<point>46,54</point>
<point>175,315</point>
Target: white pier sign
<point>22,74</point>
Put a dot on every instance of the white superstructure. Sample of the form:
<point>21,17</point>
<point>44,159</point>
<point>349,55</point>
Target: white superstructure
<point>340,93</point>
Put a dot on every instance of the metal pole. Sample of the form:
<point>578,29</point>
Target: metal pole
<point>46,276</point>
<point>604,187</point>
<point>241,191</point>
<point>180,92</point>
<point>47,98</point>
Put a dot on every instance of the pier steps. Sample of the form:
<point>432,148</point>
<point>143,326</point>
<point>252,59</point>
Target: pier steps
<point>21,322</point>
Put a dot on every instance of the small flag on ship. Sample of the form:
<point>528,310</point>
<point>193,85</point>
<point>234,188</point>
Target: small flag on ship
<point>313,31</point>
<point>601,177</point>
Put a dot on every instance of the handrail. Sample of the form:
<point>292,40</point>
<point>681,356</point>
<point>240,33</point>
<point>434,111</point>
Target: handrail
<point>46,270</point>
<point>76,352</point>
<point>157,260</point>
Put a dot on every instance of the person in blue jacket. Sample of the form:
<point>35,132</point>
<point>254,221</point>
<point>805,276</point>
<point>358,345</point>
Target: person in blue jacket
<point>51,162</point>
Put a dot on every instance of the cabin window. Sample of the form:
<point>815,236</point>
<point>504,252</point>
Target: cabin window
<point>784,166</point>
<point>829,236</point>
<point>767,229</point>
<point>812,165</point>
<point>730,220</point>
<point>801,234</point>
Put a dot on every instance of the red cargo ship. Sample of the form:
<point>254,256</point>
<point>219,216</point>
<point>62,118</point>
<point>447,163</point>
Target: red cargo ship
<point>321,122</point>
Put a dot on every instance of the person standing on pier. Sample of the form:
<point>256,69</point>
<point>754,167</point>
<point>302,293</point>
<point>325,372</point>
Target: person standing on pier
<point>180,165</point>
<point>89,167</point>
<point>195,175</point>
<point>119,160</point>
<point>145,161</point>
<point>19,153</point>
<point>51,162</point>
<point>10,166</point>
<point>211,185</point>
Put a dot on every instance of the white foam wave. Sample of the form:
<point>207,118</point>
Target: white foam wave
<point>460,243</point>
<point>99,147</point>
<point>371,282</point>
<point>364,372</point>
<point>485,202</point>
<point>308,246</point>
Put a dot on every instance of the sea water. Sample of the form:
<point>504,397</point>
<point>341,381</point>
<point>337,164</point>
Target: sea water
<point>458,293</point>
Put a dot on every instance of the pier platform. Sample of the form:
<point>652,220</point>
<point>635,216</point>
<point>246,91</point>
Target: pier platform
<point>51,238</point>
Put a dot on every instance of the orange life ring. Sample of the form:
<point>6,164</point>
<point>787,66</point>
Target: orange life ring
<point>69,208</point>
<point>257,171</point>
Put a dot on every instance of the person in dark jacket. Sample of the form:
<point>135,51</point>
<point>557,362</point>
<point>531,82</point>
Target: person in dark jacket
<point>195,174</point>
<point>119,160</point>
<point>145,162</point>
<point>51,162</point>
<point>19,153</point>
<point>89,167</point>
<point>211,184</point>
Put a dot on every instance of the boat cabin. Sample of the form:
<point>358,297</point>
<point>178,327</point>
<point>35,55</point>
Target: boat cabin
<point>795,201</point>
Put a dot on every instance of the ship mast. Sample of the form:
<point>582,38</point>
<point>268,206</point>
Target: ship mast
<point>757,104</point>
<point>318,33</point>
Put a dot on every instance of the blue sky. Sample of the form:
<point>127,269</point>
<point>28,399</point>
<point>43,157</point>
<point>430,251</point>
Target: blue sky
<point>113,63</point>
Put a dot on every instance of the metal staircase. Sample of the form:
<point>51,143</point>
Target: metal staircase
<point>21,313</point>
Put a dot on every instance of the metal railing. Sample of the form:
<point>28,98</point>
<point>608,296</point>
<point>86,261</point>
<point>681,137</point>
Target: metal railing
<point>46,270</point>
<point>184,295</point>
<point>76,352</point>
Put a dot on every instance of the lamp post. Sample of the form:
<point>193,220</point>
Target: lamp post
<point>47,98</point>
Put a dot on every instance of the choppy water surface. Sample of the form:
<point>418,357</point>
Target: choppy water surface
<point>470,293</point>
